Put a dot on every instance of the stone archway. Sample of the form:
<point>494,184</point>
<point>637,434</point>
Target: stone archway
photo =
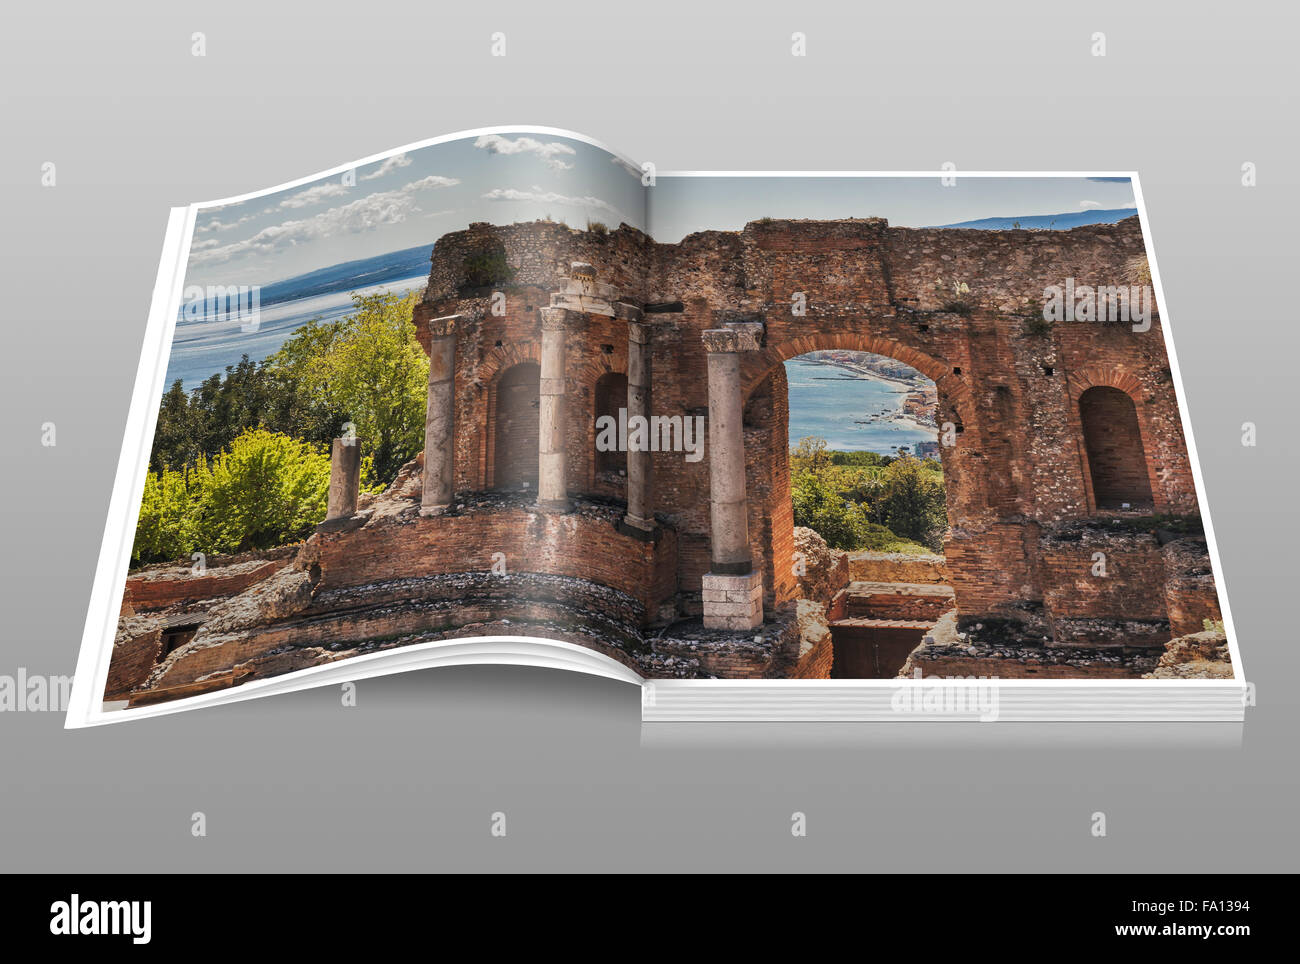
<point>948,380</point>
<point>609,395</point>
<point>1137,436</point>
<point>763,385</point>
<point>881,611</point>
<point>1112,444</point>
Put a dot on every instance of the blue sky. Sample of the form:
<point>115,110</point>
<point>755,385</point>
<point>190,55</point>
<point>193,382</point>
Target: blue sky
<point>681,205</point>
<point>414,198</point>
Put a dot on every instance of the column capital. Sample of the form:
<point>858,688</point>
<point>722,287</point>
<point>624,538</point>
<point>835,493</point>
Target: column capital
<point>737,336</point>
<point>556,319</point>
<point>444,326</point>
<point>639,332</point>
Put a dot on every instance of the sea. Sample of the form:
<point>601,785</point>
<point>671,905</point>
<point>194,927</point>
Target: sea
<point>846,409</point>
<point>843,407</point>
<point>202,347</point>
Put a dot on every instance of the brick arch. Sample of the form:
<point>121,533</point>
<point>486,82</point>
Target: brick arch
<point>961,486</point>
<point>592,368</point>
<point>1124,380</point>
<point>496,363</point>
<point>1104,376</point>
<point>952,388</point>
<point>503,357</point>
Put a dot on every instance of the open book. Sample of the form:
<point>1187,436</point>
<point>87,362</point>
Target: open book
<point>782,446</point>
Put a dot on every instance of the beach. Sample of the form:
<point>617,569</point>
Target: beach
<point>843,405</point>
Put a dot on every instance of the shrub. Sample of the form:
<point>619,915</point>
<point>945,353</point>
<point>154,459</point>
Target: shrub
<point>487,268</point>
<point>266,490</point>
<point>912,503</point>
<point>843,524</point>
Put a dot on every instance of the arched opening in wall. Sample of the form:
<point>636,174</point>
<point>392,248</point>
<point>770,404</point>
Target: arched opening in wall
<point>610,397</point>
<point>866,476</point>
<point>1112,439</point>
<point>864,452</point>
<point>515,423</point>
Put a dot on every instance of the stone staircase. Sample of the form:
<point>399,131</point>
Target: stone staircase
<point>918,603</point>
<point>878,624</point>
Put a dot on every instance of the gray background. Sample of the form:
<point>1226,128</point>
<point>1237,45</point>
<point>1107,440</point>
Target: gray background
<point>408,778</point>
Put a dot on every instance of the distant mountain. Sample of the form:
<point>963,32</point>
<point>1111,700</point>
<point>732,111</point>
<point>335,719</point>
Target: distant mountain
<point>1057,222</point>
<point>350,275</point>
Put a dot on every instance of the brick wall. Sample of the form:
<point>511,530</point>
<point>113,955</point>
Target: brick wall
<point>582,544</point>
<point>897,567</point>
<point>159,588</point>
<point>1011,390</point>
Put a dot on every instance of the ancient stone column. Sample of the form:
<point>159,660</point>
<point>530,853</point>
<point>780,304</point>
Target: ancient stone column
<point>732,590</point>
<point>345,478</point>
<point>439,419</point>
<point>552,488</point>
<point>639,520</point>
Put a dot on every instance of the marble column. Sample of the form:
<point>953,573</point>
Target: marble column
<point>345,478</point>
<point>639,520</point>
<point>439,419</point>
<point>732,589</point>
<point>552,486</point>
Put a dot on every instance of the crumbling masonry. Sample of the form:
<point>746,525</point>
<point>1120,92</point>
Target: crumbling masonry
<point>1065,443</point>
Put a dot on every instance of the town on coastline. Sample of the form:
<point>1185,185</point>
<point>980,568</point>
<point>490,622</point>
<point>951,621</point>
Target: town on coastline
<point>919,399</point>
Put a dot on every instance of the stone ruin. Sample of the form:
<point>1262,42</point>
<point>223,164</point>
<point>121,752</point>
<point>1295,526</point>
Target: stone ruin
<point>1065,442</point>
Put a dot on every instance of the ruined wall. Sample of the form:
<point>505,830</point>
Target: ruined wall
<point>160,587</point>
<point>1008,383</point>
<point>897,567</point>
<point>505,533</point>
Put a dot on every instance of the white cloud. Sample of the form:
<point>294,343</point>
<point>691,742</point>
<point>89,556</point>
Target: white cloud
<point>355,217</point>
<point>216,224</point>
<point>389,165</point>
<point>537,195</point>
<point>549,153</point>
<point>1085,205</point>
<point>315,194</point>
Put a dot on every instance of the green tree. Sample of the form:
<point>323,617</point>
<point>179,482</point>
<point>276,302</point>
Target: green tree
<point>175,442</point>
<point>864,500</point>
<point>228,405</point>
<point>809,455</point>
<point>167,517</point>
<point>267,490</point>
<point>860,459</point>
<point>367,369</point>
<point>911,503</point>
<point>843,524</point>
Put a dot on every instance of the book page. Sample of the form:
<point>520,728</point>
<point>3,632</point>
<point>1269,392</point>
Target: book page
<point>294,412</point>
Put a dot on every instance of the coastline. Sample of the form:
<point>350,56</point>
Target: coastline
<point>904,388</point>
<point>865,373</point>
